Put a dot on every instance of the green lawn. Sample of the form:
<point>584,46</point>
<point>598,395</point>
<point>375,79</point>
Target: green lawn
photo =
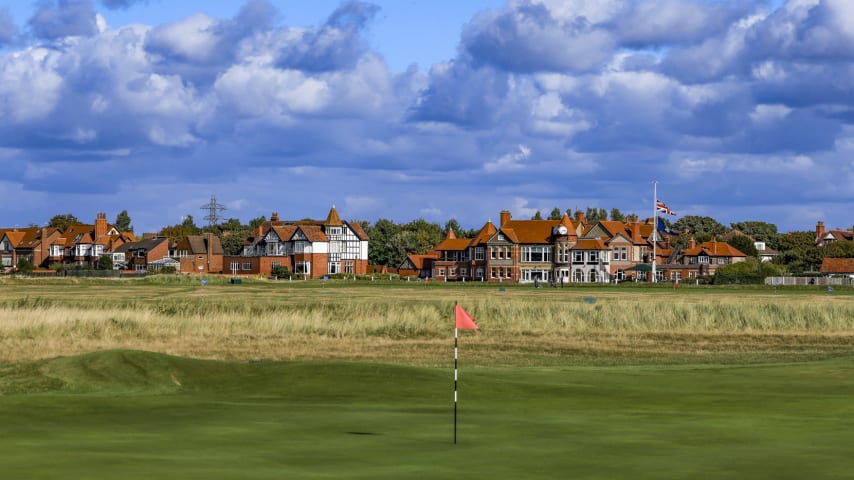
<point>131,415</point>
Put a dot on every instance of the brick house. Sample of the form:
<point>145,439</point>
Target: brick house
<point>143,254</point>
<point>700,260</point>
<point>78,244</point>
<point>199,254</point>
<point>838,266</point>
<point>308,248</point>
<point>824,237</point>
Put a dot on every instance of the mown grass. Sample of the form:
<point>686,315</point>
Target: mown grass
<point>125,414</point>
<point>411,323</point>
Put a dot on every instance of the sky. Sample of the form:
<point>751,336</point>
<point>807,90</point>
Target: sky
<point>740,110</point>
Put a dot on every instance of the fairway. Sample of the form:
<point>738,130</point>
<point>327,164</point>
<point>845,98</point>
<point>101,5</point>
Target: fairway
<point>124,414</point>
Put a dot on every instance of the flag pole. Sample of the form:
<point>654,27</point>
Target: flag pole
<point>654,227</point>
<point>456,335</point>
<point>455,386</point>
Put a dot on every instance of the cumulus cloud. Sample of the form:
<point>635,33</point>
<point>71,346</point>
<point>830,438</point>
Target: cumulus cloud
<point>713,99</point>
<point>335,45</point>
<point>65,18</point>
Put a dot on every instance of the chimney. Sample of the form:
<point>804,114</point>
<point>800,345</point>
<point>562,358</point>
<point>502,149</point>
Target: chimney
<point>636,234</point>
<point>505,217</point>
<point>819,229</point>
<point>274,218</point>
<point>100,226</point>
<point>692,243</point>
<point>579,217</point>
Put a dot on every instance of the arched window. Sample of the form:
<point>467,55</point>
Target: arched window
<point>592,276</point>
<point>578,276</point>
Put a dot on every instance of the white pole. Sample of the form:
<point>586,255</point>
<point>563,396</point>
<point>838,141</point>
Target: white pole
<point>455,383</point>
<point>654,227</point>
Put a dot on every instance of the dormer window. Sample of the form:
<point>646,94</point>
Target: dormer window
<point>500,237</point>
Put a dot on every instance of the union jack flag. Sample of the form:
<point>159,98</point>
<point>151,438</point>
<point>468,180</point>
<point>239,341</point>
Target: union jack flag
<point>661,207</point>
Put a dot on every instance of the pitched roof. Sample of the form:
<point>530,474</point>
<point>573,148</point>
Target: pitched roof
<point>147,244</point>
<point>529,231</point>
<point>284,232</point>
<point>570,228</point>
<point>713,248</point>
<point>357,229</point>
<point>837,265</point>
<point>453,244</point>
<point>199,244</point>
<point>590,244</point>
<point>313,233</point>
<point>418,260</point>
<point>486,232</point>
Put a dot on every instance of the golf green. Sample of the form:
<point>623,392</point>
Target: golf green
<point>129,414</point>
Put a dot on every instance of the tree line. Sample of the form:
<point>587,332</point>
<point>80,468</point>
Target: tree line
<point>390,241</point>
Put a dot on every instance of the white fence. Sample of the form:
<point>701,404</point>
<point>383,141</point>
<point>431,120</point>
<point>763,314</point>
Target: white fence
<point>790,281</point>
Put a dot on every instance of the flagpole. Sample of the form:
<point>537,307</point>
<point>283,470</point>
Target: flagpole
<point>455,383</point>
<point>654,228</point>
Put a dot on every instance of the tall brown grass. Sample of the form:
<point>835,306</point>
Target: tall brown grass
<point>414,325</point>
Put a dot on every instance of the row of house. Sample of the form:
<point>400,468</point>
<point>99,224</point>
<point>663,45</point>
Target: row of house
<point>568,250</point>
<point>309,248</point>
<point>565,250</point>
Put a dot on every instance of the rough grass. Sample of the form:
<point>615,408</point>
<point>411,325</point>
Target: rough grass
<point>412,323</point>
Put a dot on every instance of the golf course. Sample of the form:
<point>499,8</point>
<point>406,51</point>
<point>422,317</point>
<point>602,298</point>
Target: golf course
<point>164,377</point>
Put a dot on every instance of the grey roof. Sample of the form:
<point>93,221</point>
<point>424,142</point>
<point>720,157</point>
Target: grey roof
<point>148,244</point>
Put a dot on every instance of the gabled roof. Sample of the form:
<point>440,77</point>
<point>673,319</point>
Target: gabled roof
<point>529,231</point>
<point>417,261</point>
<point>313,233</point>
<point>590,244</point>
<point>284,232</point>
<point>486,232</point>
<point>570,228</point>
<point>837,265</point>
<point>199,244</point>
<point>451,242</point>
<point>147,244</point>
<point>840,235</point>
<point>357,229</point>
<point>713,248</point>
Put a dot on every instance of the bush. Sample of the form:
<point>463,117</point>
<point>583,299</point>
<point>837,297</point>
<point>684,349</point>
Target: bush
<point>751,272</point>
<point>105,262</point>
<point>25,266</point>
<point>280,271</point>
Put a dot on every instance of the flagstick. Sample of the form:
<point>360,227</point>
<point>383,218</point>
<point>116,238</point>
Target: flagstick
<point>455,384</point>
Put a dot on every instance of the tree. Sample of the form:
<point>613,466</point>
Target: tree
<point>178,232</point>
<point>257,222</point>
<point>556,214</point>
<point>798,252</point>
<point>123,222</point>
<point>537,216</point>
<point>838,249</point>
<point>744,245</point>
<point>105,262</point>
<point>750,271</point>
<point>62,222</point>
<point>702,228</point>
<point>617,215</point>
<point>759,232</point>
<point>594,215</point>
<point>381,233</point>
<point>454,225</point>
<point>25,266</point>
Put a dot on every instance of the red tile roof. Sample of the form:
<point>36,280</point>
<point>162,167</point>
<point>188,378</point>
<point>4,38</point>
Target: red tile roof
<point>713,248</point>
<point>529,231</point>
<point>590,244</point>
<point>837,265</point>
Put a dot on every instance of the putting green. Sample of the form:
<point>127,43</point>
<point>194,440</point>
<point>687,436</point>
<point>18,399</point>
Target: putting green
<point>128,414</point>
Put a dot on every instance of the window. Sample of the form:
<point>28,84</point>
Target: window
<point>592,276</point>
<point>507,273</point>
<point>275,265</point>
<point>493,272</point>
<point>247,266</point>
<point>492,252</point>
<point>348,266</point>
<point>578,256</point>
<point>593,256</point>
<point>721,261</point>
<point>452,272</point>
<point>675,276</point>
<point>536,254</point>
<point>507,251</point>
<point>693,260</point>
<point>441,272</point>
<point>704,259</point>
<point>463,272</point>
<point>578,276</point>
<point>234,266</point>
<point>621,253</point>
<point>478,253</point>
<point>692,274</point>
<point>479,273</point>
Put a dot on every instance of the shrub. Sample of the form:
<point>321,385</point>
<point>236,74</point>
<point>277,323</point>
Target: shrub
<point>751,271</point>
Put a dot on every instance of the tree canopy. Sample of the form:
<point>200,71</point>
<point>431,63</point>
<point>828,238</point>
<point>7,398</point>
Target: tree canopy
<point>63,221</point>
<point>123,222</point>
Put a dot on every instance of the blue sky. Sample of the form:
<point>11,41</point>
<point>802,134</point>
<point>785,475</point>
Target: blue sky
<point>741,110</point>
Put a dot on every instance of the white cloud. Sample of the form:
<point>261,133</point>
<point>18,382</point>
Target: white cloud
<point>509,161</point>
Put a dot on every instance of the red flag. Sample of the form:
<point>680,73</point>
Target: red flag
<point>464,320</point>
